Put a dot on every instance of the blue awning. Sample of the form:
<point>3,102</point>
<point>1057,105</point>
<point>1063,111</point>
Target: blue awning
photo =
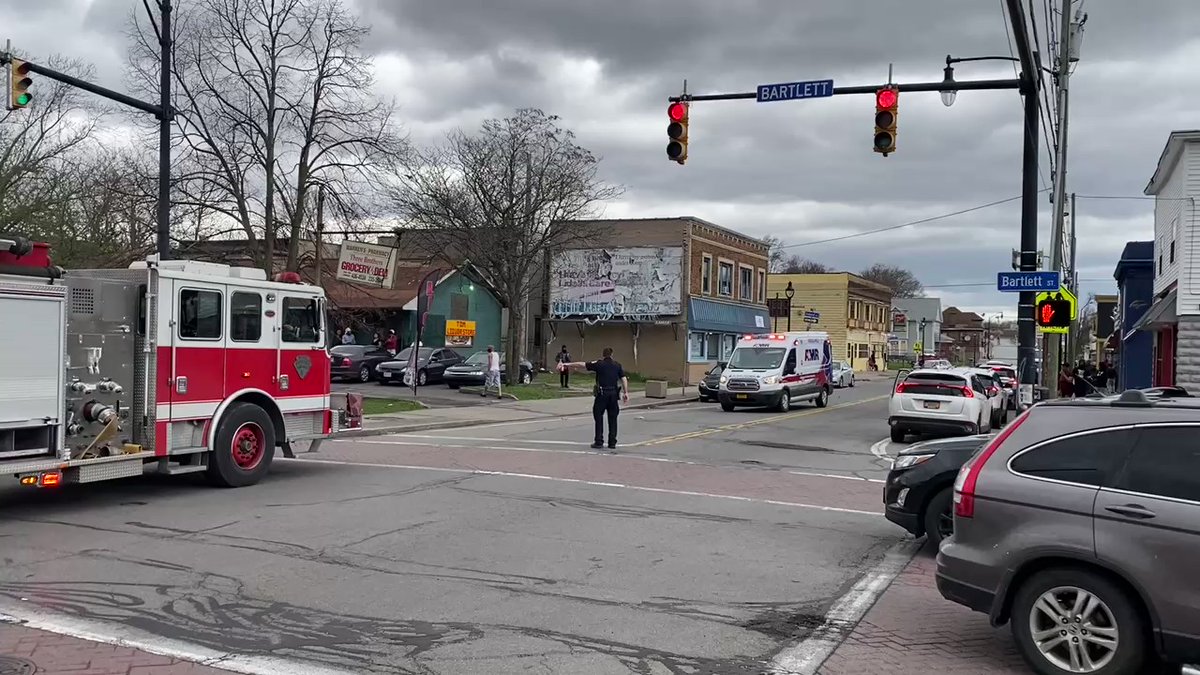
<point>723,317</point>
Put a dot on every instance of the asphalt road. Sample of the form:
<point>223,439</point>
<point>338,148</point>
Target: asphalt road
<point>710,542</point>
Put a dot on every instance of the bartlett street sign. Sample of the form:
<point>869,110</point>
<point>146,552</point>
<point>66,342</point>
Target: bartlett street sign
<point>790,91</point>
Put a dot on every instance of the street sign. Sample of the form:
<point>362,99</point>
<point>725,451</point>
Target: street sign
<point>790,91</point>
<point>1015,282</point>
<point>812,317</point>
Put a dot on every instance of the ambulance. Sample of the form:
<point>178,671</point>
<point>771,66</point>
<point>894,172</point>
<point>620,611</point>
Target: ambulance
<point>778,370</point>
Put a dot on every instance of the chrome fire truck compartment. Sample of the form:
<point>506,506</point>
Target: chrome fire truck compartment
<point>85,361</point>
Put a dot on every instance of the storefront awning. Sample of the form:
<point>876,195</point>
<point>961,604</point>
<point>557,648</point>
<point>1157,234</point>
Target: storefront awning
<point>1161,313</point>
<point>722,317</point>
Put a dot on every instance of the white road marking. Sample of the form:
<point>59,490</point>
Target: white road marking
<point>879,449</point>
<point>32,616</point>
<point>807,656</point>
<point>834,475</point>
<point>489,440</point>
<point>580,481</point>
<point>641,412</point>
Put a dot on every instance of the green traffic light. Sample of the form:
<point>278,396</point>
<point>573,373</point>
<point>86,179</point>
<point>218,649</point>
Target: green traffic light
<point>24,99</point>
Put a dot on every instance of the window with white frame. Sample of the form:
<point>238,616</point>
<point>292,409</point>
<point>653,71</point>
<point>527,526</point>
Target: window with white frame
<point>696,346</point>
<point>728,342</point>
<point>746,283</point>
<point>725,278</point>
<point>762,285</point>
<point>706,275</point>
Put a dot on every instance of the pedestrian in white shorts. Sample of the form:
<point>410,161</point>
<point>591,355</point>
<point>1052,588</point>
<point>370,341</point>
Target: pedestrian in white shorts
<point>492,376</point>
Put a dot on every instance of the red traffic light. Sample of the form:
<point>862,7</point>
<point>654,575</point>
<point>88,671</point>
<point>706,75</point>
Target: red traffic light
<point>886,98</point>
<point>677,111</point>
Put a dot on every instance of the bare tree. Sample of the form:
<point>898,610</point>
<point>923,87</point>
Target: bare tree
<point>38,146</point>
<point>494,196</point>
<point>797,265</point>
<point>273,98</point>
<point>904,284</point>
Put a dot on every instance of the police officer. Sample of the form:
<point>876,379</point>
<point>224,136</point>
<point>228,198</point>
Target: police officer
<point>611,388</point>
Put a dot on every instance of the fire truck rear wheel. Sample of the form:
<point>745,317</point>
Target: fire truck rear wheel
<point>243,448</point>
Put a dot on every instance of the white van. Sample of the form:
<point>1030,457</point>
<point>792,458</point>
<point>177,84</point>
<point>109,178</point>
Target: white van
<point>776,370</point>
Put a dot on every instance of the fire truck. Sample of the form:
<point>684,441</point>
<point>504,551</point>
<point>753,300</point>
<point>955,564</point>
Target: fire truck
<point>174,366</point>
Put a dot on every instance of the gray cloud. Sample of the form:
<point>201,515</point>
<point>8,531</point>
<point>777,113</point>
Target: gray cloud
<point>798,170</point>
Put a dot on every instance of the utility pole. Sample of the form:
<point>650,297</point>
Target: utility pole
<point>320,232</point>
<point>163,234</point>
<point>1066,56</point>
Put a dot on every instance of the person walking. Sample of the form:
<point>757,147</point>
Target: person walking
<point>611,389</point>
<point>1066,382</point>
<point>564,374</point>
<point>492,375</point>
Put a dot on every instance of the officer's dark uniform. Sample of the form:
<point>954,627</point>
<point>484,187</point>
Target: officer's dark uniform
<point>608,397</point>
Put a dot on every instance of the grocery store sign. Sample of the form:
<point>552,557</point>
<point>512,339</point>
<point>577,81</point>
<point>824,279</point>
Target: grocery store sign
<point>366,264</point>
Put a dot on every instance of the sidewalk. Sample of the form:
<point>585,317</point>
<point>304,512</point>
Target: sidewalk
<point>500,411</point>
<point>25,651</point>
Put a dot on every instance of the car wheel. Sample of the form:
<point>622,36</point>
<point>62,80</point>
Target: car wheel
<point>851,380</point>
<point>364,374</point>
<point>785,401</point>
<point>422,378</point>
<point>995,421</point>
<point>1076,621</point>
<point>727,407</point>
<point>823,398</point>
<point>898,435</point>
<point>939,517</point>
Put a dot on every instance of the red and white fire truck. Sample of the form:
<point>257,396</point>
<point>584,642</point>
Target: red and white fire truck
<point>178,366</point>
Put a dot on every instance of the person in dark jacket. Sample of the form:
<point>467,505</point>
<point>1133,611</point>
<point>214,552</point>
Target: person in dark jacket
<point>564,374</point>
<point>1066,382</point>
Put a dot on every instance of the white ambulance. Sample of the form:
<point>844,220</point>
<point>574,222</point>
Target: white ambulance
<point>777,370</point>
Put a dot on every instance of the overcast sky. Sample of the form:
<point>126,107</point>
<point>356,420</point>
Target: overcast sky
<point>802,170</point>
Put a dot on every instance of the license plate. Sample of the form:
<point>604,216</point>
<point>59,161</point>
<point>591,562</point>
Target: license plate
<point>932,405</point>
<point>386,376</point>
<point>743,396</point>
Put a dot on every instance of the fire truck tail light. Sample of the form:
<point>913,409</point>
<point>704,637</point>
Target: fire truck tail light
<point>44,479</point>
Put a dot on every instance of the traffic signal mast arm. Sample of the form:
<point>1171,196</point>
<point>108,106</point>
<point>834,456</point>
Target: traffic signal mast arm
<point>968,85</point>
<point>117,96</point>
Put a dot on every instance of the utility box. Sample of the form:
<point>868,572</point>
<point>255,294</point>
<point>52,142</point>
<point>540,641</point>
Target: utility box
<point>656,388</point>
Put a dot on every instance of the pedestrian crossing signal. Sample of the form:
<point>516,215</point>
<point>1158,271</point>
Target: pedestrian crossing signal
<point>1053,312</point>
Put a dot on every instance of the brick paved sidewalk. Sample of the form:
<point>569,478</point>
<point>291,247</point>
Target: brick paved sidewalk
<point>55,654</point>
<point>912,630</point>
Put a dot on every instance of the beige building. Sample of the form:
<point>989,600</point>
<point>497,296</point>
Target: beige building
<point>669,295</point>
<point>855,312</point>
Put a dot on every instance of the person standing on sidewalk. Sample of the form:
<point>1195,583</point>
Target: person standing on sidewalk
<point>564,374</point>
<point>492,376</point>
<point>612,388</point>
<point>392,343</point>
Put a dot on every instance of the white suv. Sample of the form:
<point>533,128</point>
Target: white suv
<point>936,401</point>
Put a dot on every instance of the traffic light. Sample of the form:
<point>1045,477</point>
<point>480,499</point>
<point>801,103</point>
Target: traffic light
<point>18,84</point>
<point>887,104</point>
<point>677,132</point>
<point>1053,312</point>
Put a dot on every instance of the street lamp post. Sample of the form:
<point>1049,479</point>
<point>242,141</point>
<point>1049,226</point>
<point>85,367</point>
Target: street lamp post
<point>789,293</point>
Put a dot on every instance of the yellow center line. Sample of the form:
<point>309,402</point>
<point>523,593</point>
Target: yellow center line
<point>752,423</point>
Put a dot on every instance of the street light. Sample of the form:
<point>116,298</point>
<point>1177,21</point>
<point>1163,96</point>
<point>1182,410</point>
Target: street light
<point>949,93</point>
<point>789,293</point>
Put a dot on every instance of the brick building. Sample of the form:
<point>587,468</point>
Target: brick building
<point>855,312</point>
<point>669,295</point>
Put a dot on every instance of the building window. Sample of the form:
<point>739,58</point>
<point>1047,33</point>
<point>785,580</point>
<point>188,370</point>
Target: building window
<point>714,347</point>
<point>706,275</point>
<point>1160,263</point>
<point>725,278</point>
<point>1172,259</point>
<point>728,342</point>
<point>746,283</point>
<point>863,351</point>
<point>762,286</point>
<point>695,346</point>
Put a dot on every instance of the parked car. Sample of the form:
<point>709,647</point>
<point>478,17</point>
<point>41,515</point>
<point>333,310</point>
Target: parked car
<point>432,363</point>
<point>472,370</point>
<point>1007,375</point>
<point>920,486</point>
<point>355,362</point>
<point>843,374</point>
<point>937,401</point>
<point>1079,524</point>
<point>937,364</point>
<point>712,380</point>
<point>997,395</point>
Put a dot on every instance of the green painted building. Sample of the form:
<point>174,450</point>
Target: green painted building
<point>457,296</point>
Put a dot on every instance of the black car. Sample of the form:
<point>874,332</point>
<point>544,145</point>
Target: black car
<point>920,487</point>
<point>355,362</point>
<point>432,363</point>
<point>471,371</point>
<point>712,379</point>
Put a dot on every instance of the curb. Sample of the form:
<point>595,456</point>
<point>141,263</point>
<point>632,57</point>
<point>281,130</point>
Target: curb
<point>456,424</point>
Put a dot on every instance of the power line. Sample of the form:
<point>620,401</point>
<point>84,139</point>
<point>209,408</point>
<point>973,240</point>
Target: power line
<point>1012,54</point>
<point>910,223</point>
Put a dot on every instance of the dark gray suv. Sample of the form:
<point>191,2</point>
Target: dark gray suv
<point>1080,524</point>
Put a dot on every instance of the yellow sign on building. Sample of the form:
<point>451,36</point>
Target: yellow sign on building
<point>455,328</point>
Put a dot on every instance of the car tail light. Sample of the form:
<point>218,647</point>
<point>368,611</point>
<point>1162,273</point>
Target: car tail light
<point>346,363</point>
<point>967,392</point>
<point>993,389</point>
<point>901,387</point>
<point>968,475</point>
